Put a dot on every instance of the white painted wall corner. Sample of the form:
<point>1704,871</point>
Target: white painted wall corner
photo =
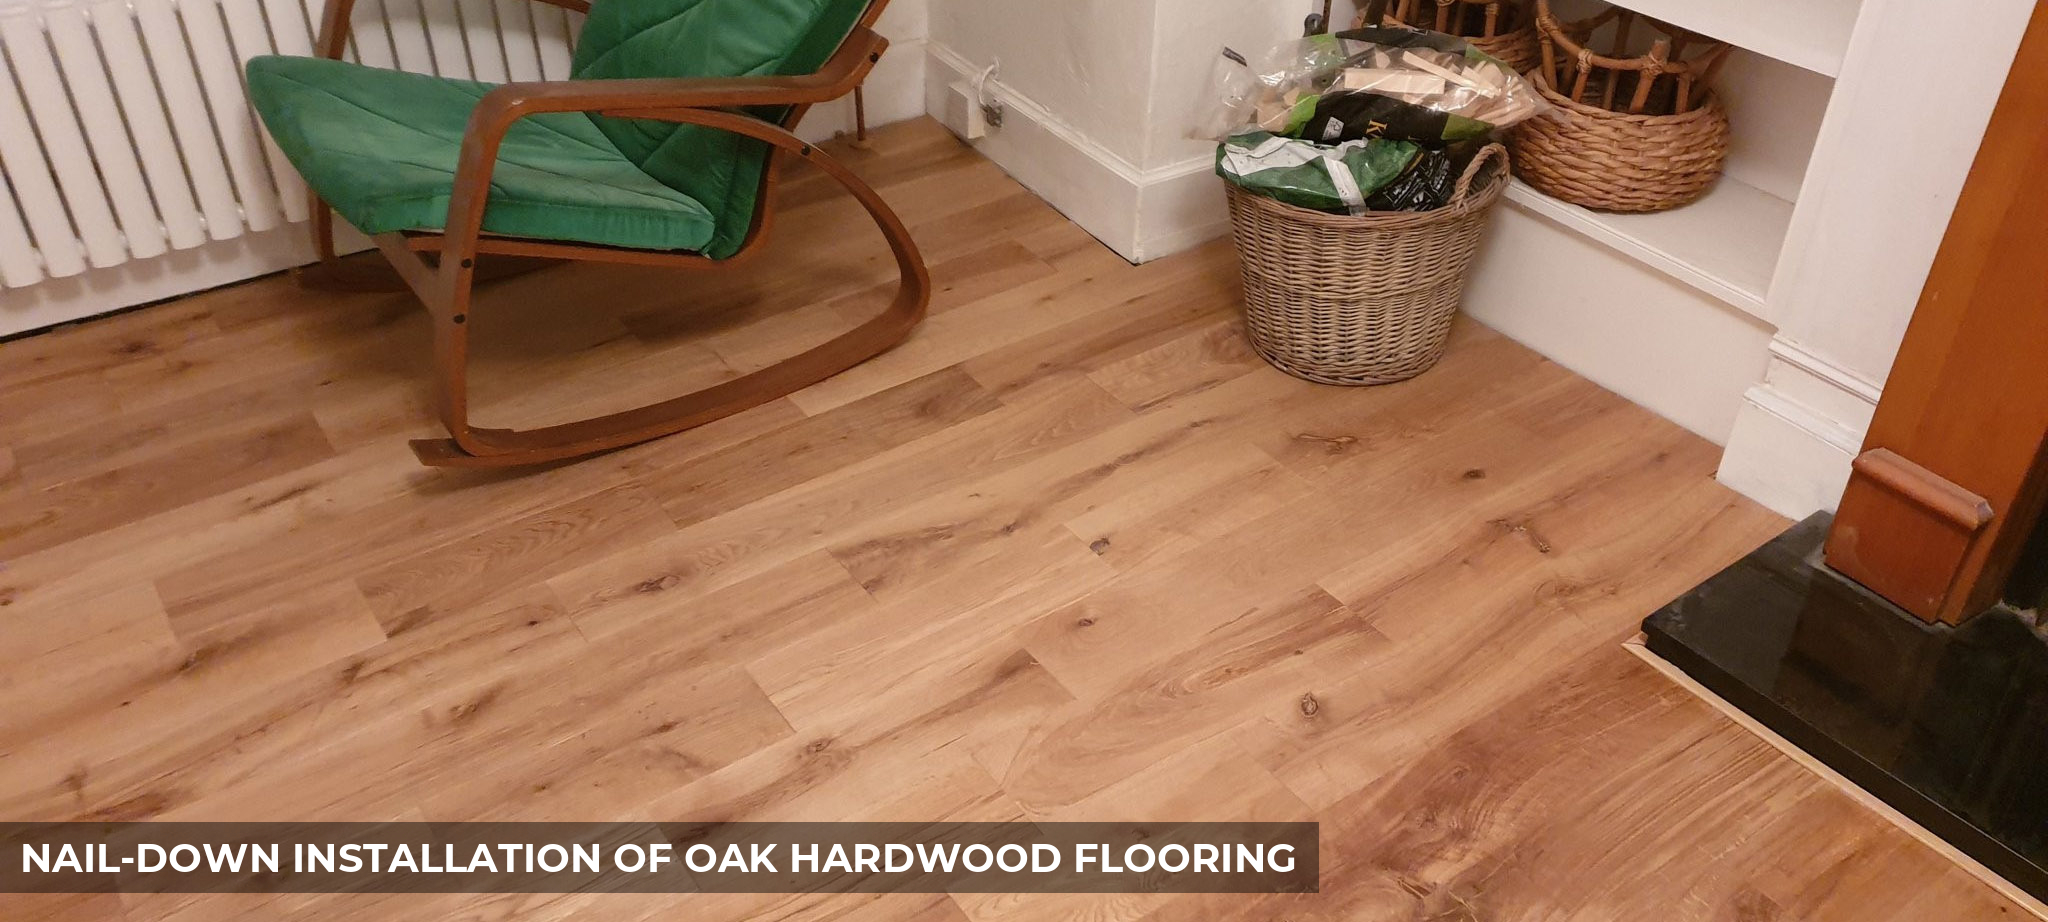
<point>1142,214</point>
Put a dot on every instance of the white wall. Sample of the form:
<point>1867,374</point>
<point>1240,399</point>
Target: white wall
<point>1099,95</point>
<point>1190,35</point>
<point>1892,157</point>
<point>895,90</point>
<point>1086,61</point>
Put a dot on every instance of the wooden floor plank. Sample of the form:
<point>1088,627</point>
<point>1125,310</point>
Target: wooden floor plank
<point>720,482</point>
<point>848,502</point>
<point>478,568</point>
<point>87,755</point>
<point>1072,552</point>
<point>39,518</point>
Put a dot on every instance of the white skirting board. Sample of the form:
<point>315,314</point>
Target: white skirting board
<point>1629,328</point>
<point>1778,456</point>
<point>1791,420</point>
<point>1142,214</point>
<point>179,272</point>
<point>1797,432</point>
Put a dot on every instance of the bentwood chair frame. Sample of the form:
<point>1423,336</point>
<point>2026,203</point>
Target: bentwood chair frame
<point>446,285</point>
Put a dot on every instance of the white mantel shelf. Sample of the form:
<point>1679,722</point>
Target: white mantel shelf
<point>1726,244</point>
<point>1812,34</point>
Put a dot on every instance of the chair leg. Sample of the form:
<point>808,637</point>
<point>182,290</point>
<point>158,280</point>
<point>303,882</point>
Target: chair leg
<point>331,273</point>
<point>448,299</point>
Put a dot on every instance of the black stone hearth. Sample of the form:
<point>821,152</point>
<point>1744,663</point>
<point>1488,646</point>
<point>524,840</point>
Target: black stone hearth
<point>1950,726</point>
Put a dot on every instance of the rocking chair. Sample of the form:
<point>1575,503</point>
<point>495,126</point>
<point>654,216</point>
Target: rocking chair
<point>657,152</point>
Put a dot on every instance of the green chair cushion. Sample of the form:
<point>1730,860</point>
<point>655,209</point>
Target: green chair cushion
<point>707,38</point>
<point>380,146</point>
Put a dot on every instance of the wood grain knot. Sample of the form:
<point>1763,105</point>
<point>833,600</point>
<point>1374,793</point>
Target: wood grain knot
<point>1524,529</point>
<point>659,585</point>
<point>1333,444</point>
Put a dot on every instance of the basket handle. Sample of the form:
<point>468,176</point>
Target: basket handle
<point>1490,152</point>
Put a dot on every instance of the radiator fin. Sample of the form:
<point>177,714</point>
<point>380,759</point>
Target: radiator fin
<point>126,132</point>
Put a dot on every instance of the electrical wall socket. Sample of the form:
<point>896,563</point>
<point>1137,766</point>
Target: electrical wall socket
<point>964,115</point>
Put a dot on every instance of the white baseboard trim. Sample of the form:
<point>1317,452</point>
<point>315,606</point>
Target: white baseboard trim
<point>1142,214</point>
<point>53,302</point>
<point>1180,207</point>
<point>1784,457</point>
<point>1618,322</point>
<point>1798,431</point>
<point>1826,372</point>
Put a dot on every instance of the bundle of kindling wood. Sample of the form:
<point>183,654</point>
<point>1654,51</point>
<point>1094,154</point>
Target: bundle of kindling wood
<point>1476,87</point>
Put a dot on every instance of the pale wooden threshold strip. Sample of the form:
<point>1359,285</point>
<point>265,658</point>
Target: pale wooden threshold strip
<point>1891,814</point>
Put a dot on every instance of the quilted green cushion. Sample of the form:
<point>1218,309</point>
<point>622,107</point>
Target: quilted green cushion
<point>707,38</point>
<point>381,145</point>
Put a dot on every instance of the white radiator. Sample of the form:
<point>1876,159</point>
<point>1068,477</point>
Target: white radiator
<point>125,132</point>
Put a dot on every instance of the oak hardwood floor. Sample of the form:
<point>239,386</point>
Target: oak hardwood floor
<point>1070,552</point>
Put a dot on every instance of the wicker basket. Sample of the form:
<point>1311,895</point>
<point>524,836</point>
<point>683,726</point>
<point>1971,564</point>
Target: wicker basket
<point>1503,29</point>
<point>1615,161</point>
<point>1630,134</point>
<point>1338,299</point>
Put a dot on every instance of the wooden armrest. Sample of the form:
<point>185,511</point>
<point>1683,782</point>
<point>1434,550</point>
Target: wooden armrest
<point>334,24</point>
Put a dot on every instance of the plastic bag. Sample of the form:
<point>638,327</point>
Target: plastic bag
<point>1224,108</point>
<point>1428,183</point>
<point>1397,83</point>
<point>1340,178</point>
<point>1246,92</point>
<point>1420,85</point>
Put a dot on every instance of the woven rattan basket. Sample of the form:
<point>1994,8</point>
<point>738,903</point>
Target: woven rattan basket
<point>1615,161</point>
<point>1369,299</point>
<point>1629,134</point>
<point>1503,29</point>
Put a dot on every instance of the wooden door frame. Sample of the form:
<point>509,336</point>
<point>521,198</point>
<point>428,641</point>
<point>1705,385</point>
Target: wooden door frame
<point>1953,473</point>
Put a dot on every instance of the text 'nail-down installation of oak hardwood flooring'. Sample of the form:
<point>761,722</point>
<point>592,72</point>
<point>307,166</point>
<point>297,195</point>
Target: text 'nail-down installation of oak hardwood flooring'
<point>1071,552</point>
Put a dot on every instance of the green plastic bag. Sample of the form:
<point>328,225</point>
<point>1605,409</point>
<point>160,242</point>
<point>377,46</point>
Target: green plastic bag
<point>1334,178</point>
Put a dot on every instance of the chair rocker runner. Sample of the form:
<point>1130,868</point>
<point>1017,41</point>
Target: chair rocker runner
<point>657,151</point>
